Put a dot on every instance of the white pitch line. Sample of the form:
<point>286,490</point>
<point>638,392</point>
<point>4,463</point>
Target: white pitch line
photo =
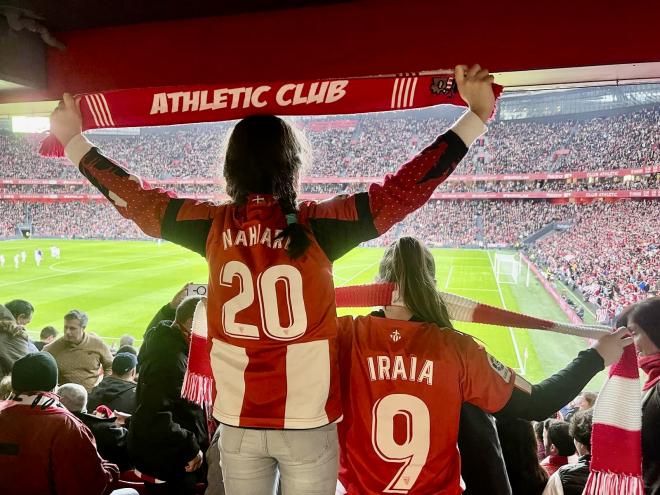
<point>474,289</point>
<point>82,270</point>
<point>451,270</point>
<point>513,337</point>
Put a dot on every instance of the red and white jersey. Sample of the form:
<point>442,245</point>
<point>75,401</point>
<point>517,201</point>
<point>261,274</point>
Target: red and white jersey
<point>271,320</point>
<point>273,350</point>
<point>403,385</point>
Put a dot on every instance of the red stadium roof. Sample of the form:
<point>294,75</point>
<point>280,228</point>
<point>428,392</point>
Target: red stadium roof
<point>251,40</point>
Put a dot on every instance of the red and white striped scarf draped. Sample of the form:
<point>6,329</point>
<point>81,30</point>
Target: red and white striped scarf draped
<point>616,437</point>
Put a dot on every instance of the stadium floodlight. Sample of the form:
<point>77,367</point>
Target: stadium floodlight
<point>34,125</point>
<point>507,268</point>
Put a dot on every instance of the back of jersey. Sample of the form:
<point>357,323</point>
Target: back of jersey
<point>403,384</point>
<point>272,323</point>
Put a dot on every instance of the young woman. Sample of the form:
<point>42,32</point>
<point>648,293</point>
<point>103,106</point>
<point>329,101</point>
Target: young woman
<point>406,373</point>
<point>271,310</point>
<point>644,324</point>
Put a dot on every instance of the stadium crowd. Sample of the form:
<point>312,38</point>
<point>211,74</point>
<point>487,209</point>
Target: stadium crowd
<point>611,253</point>
<point>373,147</point>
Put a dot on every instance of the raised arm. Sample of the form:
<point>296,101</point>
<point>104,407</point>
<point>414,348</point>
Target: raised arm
<point>157,212</point>
<point>343,222</point>
<point>547,397</point>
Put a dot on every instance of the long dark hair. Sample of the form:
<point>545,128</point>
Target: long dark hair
<point>409,264</point>
<point>518,441</point>
<point>265,156</point>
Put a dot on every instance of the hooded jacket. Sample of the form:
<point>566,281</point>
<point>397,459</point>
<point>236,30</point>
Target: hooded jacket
<point>117,394</point>
<point>14,344</point>
<point>166,432</point>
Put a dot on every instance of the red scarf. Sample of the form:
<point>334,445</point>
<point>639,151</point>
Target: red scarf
<point>212,103</point>
<point>651,366</point>
<point>616,435</point>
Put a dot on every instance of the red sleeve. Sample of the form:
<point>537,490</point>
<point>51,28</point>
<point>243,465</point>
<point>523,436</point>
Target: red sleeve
<point>157,212</point>
<point>77,467</point>
<point>340,224</point>
<point>412,185</point>
<point>486,382</point>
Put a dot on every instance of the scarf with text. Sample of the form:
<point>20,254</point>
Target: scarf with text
<point>173,105</point>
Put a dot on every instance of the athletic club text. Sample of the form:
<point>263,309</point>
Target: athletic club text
<point>249,97</point>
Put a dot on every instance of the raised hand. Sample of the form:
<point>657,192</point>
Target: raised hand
<point>66,120</point>
<point>474,86</point>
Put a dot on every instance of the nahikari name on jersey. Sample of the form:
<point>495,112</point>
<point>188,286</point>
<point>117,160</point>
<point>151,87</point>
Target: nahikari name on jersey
<point>400,368</point>
<point>254,236</point>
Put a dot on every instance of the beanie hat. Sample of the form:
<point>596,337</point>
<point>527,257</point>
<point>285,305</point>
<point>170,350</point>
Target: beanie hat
<point>123,363</point>
<point>34,373</point>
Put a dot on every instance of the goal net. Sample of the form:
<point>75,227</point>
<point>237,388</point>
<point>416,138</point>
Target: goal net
<point>507,268</point>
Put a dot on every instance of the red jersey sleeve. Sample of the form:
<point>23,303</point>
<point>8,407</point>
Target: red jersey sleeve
<point>343,222</point>
<point>486,382</point>
<point>157,212</point>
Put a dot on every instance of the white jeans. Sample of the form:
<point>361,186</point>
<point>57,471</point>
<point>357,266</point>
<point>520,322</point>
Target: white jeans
<point>307,460</point>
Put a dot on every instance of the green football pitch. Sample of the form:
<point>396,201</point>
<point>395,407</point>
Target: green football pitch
<point>121,285</point>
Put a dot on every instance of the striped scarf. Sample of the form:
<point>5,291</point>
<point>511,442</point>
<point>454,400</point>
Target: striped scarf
<point>174,105</point>
<point>616,435</point>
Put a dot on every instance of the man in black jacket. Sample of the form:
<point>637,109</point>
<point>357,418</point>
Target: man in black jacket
<point>167,434</point>
<point>117,391</point>
<point>109,435</point>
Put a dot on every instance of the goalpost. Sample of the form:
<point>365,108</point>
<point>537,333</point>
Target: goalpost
<point>507,268</point>
<point>510,269</point>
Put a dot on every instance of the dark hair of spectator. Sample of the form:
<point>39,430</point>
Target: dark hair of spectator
<point>559,436</point>
<point>20,307</point>
<point>408,263</point>
<point>538,430</point>
<point>265,155</point>
<point>75,314</point>
<point>580,427</point>
<point>518,441</point>
<point>590,397</point>
<point>646,314</point>
<point>127,348</point>
<point>186,309</point>
<point>48,332</point>
<point>622,319</point>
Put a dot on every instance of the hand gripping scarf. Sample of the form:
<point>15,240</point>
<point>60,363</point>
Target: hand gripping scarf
<point>174,105</point>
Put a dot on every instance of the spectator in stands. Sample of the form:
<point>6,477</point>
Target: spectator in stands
<point>167,434</point>
<point>110,437</point>
<point>117,391</point>
<point>79,354</point>
<point>572,478</point>
<point>586,400</point>
<point>14,342</point>
<point>47,335</point>
<point>520,455</point>
<point>127,349</point>
<point>5,387</point>
<point>558,445</point>
<point>126,339</point>
<point>22,311</point>
<point>540,444</point>
<point>644,324</point>
<point>45,449</point>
